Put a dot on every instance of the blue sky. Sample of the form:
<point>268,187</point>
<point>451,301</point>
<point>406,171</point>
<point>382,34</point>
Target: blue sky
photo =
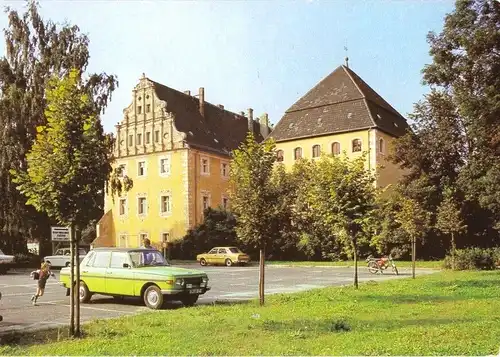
<point>253,54</point>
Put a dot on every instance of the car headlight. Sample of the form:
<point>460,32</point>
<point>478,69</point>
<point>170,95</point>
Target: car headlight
<point>204,279</point>
<point>179,282</point>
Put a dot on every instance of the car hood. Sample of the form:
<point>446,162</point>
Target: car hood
<point>169,270</point>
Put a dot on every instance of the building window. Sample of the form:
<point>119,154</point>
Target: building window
<point>336,148</point>
<point>157,136</point>
<point>224,169</point>
<point>148,137</point>
<point>165,237</point>
<point>316,151</point>
<point>139,109</point>
<point>141,205</point>
<point>206,202</point>
<point>130,140</point>
<point>123,241</point>
<point>356,145</point>
<point>165,204</point>
<point>123,206</point>
<point>139,139</point>
<point>141,168</point>
<point>381,145</point>
<point>148,108</point>
<point>164,166</point>
<point>225,202</point>
<point>122,170</point>
<point>142,237</point>
<point>280,156</point>
<point>205,166</point>
<point>297,153</point>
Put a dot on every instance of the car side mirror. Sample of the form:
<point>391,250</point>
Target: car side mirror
<point>126,265</point>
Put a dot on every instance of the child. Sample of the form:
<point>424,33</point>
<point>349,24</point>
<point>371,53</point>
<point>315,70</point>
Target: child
<point>44,274</point>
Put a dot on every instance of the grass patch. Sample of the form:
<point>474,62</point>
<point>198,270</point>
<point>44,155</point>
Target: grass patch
<point>431,264</point>
<point>447,313</point>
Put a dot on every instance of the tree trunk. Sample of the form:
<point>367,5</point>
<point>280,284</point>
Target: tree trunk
<point>77,279</point>
<point>355,255</point>
<point>413,255</point>
<point>72,280</point>
<point>453,248</point>
<point>261,276</point>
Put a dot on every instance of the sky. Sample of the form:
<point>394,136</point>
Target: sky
<point>255,54</point>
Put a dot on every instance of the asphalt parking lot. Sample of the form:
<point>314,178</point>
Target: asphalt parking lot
<point>228,284</point>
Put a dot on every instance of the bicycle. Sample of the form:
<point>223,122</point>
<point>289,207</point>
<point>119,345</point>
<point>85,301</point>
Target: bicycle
<point>378,265</point>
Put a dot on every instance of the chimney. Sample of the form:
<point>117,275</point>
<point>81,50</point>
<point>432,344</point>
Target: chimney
<point>220,106</point>
<point>188,92</point>
<point>265,130</point>
<point>250,120</point>
<point>202,101</point>
<point>242,114</point>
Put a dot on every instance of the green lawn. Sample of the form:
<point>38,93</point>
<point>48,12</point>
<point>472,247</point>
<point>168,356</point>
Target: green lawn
<point>434,264</point>
<point>446,313</point>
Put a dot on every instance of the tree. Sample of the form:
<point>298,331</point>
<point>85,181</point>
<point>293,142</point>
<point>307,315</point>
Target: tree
<point>456,138</point>
<point>414,220</point>
<point>69,163</point>
<point>449,220</point>
<point>36,50</point>
<point>342,196</point>
<point>253,200</point>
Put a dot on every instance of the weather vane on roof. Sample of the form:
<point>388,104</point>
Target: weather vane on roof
<point>346,58</point>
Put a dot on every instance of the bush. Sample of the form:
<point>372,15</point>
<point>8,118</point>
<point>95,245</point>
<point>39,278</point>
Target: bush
<point>474,258</point>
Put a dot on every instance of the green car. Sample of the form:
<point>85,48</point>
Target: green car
<point>136,272</point>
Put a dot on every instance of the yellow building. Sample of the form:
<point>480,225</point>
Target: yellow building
<point>176,149</point>
<point>341,113</point>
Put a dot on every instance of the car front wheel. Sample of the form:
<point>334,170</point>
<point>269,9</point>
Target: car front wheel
<point>153,298</point>
<point>203,262</point>
<point>189,300</point>
<point>84,293</point>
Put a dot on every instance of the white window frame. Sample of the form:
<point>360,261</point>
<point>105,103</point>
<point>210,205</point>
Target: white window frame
<point>209,196</point>
<point>381,148</point>
<point>125,206</point>
<point>222,169</point>
<point>352,142</point>
<point>145,167</point>
<point>301,153</point>
<point>312,151</point>
<point>120,236</point>
<point>207,173</point>
<point>340,147</point>
<point>140,237</point>
<point>145,212</point>
<point>169,165</point>
<point>124,171</point>
<point>162,238</point>
<point>169,212</point>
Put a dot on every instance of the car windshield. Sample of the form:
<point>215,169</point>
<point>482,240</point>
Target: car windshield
<point>148,258</point>
<point>235,250</point>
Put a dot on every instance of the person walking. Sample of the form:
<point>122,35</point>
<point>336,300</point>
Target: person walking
<point>44,273</point>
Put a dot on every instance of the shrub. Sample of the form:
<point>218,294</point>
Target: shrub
<point>474,258</point>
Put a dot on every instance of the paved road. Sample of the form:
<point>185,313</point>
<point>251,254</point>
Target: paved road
<point>228,284</point>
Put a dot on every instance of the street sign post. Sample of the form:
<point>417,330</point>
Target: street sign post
<point>60,234</point>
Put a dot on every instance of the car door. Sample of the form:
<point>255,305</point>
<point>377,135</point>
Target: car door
<point>95,271</point>
<point>59,258</point>
<point>119,279</point>
<point>212,256</point>
<point>221,256</point>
